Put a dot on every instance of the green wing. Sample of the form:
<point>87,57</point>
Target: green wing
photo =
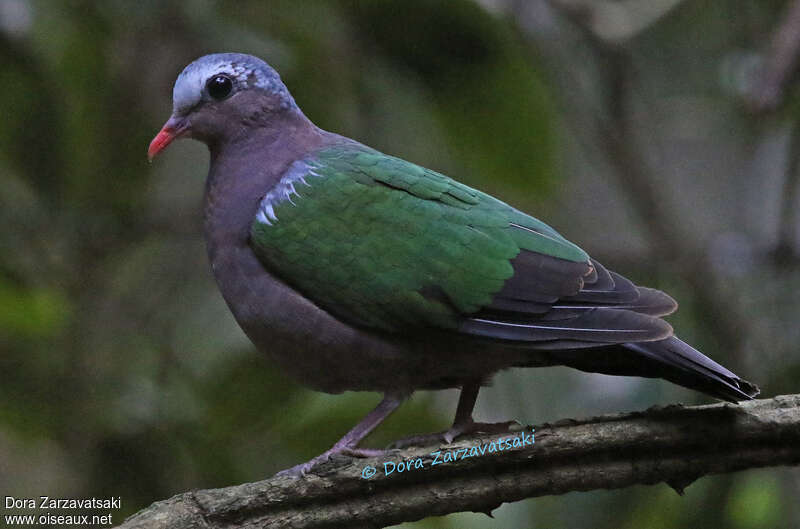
<point>386,244</point>
<point>383,243</point>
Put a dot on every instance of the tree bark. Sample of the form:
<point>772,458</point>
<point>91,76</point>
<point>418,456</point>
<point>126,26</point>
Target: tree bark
<point>673,444</point>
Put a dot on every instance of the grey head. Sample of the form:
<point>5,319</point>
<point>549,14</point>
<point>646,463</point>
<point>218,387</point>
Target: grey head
<point>216,94</point>
<point>220,75</point>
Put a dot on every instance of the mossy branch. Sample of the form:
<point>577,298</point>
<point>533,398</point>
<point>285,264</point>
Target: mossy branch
<point>675,444</point>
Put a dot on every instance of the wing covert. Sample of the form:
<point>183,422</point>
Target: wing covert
<point>386,244</point>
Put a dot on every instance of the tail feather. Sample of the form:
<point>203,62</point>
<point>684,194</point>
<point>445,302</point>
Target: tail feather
<point>670,359</point>
<point>688,367</point>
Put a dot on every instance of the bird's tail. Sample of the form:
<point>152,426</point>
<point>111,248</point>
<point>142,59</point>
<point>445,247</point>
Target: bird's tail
<point>686,366</point>
<point>670,359</point>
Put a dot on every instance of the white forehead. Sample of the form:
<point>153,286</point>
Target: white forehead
<point>190,85</point>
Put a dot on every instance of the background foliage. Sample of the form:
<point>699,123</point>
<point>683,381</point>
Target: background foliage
<point>629,126</point>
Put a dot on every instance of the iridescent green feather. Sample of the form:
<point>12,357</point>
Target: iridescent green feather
<point>384,243</point>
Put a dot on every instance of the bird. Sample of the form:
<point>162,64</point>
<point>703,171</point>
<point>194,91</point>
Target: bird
<point>355,270</point>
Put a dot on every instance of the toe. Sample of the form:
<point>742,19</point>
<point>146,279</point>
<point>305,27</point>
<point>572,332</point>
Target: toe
<point>364,452</point>
<point>418,440</point>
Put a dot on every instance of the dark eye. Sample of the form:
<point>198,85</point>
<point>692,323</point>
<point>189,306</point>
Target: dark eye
<point>219,87</point>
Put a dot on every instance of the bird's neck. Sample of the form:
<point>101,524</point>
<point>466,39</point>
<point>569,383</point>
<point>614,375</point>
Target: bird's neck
<point>243,169</point>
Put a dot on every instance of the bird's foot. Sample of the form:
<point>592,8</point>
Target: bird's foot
<point>418,440</point>
<point>364,452</point>
<point>304,468</point>
<point>348,444</point>
<point>455,431</point>
<point>481,427</point>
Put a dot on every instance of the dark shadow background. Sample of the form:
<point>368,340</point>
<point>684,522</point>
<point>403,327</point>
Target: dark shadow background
<point>627,125</point>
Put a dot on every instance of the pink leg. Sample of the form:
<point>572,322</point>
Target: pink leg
<point>462,424</point>
<point>348,443</point>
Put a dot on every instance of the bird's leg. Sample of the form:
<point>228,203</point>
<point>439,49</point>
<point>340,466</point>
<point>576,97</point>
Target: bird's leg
<point>466,404</point>
<point>348,443</point>
<point>463,422</point>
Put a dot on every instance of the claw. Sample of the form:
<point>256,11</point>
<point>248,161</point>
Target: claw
<point>364,452</point>
<point>302,469</point>
<point>417,440</point>
<point>457,430</point>
<point>348,444</point>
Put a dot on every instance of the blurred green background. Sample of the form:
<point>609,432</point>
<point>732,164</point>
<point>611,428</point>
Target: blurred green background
<point>628,125</point>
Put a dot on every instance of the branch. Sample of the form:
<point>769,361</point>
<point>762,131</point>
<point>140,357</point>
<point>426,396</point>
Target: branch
<point>635,177</point>
<point>781,63</point>
<point>768,94</point>
<point>784,253</point>
<point>675,445</point>
<point>605,128</point>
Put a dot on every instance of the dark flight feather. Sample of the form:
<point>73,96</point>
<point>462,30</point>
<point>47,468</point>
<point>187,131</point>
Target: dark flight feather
<point>608,325</point>
<point>670,359</point>
<point>593,325</point>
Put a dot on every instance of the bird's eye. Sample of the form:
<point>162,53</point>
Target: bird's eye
<point>219,87</point>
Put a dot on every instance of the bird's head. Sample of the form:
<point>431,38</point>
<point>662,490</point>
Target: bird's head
<point>219,95</point>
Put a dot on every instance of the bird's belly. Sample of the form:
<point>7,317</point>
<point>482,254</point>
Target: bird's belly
<point>327,354</point>
<point>312,346</point>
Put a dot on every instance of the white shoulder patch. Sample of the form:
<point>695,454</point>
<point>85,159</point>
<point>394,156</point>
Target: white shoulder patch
<point>283,190</point>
